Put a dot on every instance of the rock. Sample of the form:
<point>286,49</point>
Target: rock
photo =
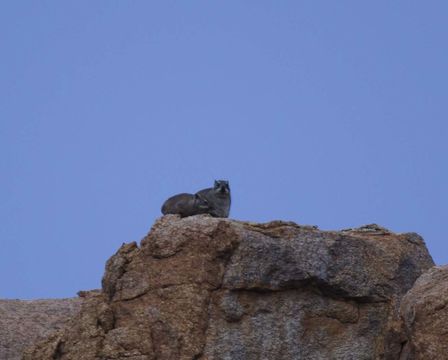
<point>212,288</point>
<point>425,314</point>
<point>24,322</point>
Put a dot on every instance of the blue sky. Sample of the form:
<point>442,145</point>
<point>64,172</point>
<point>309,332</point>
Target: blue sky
<point>319,112</point>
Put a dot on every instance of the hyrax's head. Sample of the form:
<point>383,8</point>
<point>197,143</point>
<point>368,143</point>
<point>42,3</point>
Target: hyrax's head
<point>222,187</point>
<point>201,203</point>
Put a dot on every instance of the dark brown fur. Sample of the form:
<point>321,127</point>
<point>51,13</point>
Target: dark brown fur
<point>218,198</point>
<point>185,205</point>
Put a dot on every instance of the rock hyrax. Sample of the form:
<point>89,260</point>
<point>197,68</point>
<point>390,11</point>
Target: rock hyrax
<point>218,198</point>
<point>185,205</point>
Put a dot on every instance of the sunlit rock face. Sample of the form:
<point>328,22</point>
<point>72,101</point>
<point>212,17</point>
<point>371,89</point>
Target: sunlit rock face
<point>213,288</point>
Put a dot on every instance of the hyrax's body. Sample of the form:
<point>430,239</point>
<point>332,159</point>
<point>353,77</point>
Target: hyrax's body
<point>218,198</point>
<point>185,205</point>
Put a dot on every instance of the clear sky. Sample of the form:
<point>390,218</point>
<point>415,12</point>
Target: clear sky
<point>331,113</point>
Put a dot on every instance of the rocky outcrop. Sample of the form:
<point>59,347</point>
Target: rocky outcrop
<point>209,288</point>
<point>425,313</point>
<point>24,322</point>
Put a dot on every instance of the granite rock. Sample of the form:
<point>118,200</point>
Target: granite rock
<point>210,288</point>
<point>424,310</point>
<point>23,322</point>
